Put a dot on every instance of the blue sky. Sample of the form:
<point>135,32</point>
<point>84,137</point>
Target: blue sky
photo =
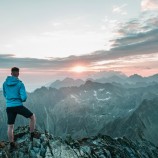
<point>60,27</point>
<point>60,37</point>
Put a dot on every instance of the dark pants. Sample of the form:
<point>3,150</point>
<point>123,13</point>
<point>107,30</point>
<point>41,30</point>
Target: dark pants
<point>13,111</point>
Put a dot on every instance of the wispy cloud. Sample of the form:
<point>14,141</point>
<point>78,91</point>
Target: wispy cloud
<point>149,5</point>
<point>120,9</point>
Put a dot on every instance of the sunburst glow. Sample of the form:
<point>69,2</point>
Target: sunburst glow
<point>79,69</point>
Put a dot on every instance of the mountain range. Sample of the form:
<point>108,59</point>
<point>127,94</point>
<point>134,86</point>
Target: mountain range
<point>113,109</point>
<point>133,80</point>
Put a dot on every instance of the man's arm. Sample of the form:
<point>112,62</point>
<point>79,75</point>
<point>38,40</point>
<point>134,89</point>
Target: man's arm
<point>23,94</point>
<point>4,93</point>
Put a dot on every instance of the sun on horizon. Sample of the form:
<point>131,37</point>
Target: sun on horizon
<point>79,69</point>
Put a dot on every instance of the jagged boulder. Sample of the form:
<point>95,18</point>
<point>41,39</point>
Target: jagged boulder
<point>100,146</point>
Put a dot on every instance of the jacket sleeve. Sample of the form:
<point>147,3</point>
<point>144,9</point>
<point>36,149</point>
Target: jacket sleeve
<point>23,94</point>
<point>4,93</point>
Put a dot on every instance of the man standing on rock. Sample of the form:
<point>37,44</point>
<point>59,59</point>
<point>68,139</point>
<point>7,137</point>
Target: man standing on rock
<point>15,94</point>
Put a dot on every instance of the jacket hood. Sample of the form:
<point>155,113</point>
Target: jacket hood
<point>11,81</point>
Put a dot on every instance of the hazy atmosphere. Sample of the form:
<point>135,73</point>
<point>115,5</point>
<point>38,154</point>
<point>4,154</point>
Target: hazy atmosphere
<point>88,83</point>
<point>53,39</point>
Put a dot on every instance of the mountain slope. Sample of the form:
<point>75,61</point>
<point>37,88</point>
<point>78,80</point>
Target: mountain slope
<point>141,124</point>
<point>81,111</point>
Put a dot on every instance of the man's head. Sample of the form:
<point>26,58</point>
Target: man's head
<point>15,71</point>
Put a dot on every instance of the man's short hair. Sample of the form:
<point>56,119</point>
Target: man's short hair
<point>14,69</point>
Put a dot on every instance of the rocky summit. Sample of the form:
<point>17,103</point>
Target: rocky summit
<point>100,146</point>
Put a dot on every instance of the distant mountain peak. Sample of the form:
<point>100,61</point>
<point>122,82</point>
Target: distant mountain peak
<point>67,82</point>
<point>155,76</point>
<point>135,76</point>
<point>68,79</point>
<point>89,82</point>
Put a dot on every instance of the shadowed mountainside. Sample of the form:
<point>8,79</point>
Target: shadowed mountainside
<point>141,124</point>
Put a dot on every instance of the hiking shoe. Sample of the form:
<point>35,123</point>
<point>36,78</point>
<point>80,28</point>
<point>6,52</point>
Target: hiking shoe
<point>2,145</point>
<point>35,135</point>
<point>13,146</point>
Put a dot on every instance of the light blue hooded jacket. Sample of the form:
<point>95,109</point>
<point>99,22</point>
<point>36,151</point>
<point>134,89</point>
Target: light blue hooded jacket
<point>14,92</point>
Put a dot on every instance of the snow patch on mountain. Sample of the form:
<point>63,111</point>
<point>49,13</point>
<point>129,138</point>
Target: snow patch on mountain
<point>75,97</point>
<point>108,93</point>
<point>130,110</point>
<point>101,99</point>
<point>101,89</point>
<point>106,99</point>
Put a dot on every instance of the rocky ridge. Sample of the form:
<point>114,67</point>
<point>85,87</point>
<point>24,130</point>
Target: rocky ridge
<point>100,146</point>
